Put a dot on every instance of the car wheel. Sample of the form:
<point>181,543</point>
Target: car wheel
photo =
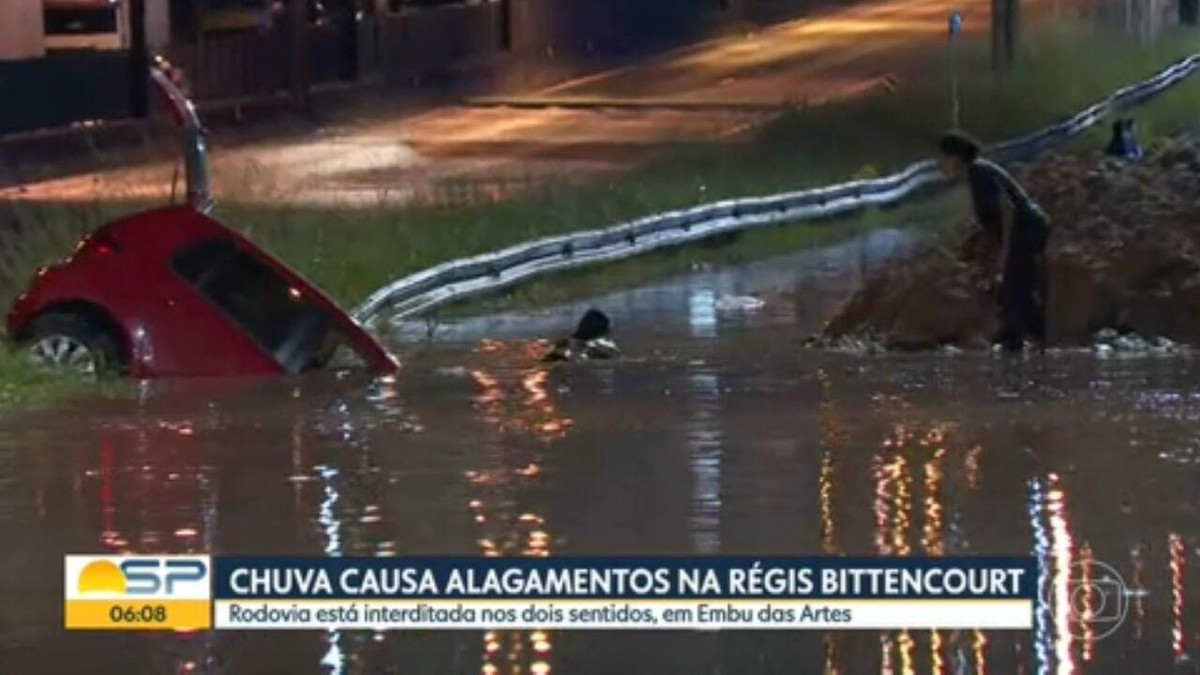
<point>71,342</point>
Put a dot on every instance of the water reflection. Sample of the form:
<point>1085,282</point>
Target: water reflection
<point>151,495</point>
<point>702,313</point>
<point>520,423</point>
<point>833,439</point>
<point>1056,558</point>
<point>704,441</point>
<point>895,498</point>
<point>931,540</point>
<point>737,443</point>
<point>1178,558</point>
<point>330,524</point>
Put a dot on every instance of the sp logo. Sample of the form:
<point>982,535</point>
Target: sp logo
<point>143,576</point>
<point>161,576</point>
<point>137,592</point>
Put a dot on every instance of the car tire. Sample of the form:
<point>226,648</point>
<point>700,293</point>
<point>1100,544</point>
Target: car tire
<point>72,342</point>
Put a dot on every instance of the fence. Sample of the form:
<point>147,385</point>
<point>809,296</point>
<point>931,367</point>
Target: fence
<point>420,42</point>
<point>64,88</point>
<point>252,65</point>
<point>490,272</point>
<point>411,45</point>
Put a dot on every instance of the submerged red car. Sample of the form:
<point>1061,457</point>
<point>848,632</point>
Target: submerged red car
<point>172,292</point>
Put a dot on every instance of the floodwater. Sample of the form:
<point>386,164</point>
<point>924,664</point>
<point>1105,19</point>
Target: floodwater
<point>717,434</point>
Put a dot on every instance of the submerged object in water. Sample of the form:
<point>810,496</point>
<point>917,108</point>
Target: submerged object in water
<point>581,350</point>
<point>738,303</point>
<point>590,341</point>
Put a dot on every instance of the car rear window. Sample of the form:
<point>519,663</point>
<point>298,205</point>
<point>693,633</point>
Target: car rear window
<point>277,315</point>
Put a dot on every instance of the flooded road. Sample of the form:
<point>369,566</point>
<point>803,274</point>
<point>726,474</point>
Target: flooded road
<point>717,434</point>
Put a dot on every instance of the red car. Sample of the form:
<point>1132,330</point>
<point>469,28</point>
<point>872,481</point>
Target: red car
<point>173,292</point>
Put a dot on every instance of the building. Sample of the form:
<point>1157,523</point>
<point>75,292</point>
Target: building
<point>21,32</point>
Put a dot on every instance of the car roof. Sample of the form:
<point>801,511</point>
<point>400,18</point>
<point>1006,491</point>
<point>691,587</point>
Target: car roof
<point>161,233</point>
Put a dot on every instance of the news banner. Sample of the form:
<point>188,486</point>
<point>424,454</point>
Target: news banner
<point>721,593</point>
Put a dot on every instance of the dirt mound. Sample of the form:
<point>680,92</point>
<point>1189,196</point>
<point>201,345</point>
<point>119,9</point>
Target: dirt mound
<point>1124,254</point>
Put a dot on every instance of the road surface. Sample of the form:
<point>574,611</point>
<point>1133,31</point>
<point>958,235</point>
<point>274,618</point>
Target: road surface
<point>718,91</point>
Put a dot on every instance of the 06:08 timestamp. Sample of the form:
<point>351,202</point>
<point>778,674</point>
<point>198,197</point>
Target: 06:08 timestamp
<point>139,614</point>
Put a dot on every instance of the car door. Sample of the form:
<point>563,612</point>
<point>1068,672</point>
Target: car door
<point>185,333</point>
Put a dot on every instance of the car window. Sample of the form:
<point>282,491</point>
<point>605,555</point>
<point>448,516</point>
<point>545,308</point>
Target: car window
<point>337,352</point>
<point>277,315</point>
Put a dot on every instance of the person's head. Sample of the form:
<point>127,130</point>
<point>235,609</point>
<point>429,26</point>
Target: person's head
<point>956,151</point>
<point>594,324</point>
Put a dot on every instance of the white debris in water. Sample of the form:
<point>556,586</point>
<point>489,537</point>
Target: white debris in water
<point>738,303</point>
<point>1186,456</point>
<point>1109,342</point>
<point>845,344</point>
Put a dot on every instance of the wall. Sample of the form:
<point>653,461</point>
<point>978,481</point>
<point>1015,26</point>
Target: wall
<point>416,44</point>
<point>21,30</point>
<point>158,24</point>
<point>428,41</point>
<point>62,88</point>
<point>554,28</point>
<point>1144,20</point>
<point>410,47</point>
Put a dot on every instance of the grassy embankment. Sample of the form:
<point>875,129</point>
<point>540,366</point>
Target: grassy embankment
<point>350,252</point>
<point>1063,68</point>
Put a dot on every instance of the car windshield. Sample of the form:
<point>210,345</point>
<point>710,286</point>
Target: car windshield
<point>299,333</point>
<point>338,352</point>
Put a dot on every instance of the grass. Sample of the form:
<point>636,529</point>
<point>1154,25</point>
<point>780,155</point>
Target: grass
<point>1063,68</point>
<point>748,246</point>
<point>352,251</point>
<point>33,237</point>
<point>23,384</point>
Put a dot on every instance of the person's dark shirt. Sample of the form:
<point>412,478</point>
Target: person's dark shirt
<point>989,185</point>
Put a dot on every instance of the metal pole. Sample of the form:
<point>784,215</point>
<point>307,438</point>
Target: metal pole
<point>298,51</point>
<point>195,145</point>
<point>955,30</point>
<point>139,60</point>
<point>197,78</point>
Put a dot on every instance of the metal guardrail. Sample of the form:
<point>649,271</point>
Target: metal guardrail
<point>457,279</point>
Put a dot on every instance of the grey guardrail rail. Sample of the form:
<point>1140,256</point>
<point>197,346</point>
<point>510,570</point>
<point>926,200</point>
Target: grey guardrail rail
<point>457,279</point>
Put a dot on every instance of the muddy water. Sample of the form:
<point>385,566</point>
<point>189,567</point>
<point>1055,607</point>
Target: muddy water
<point>717,435</point>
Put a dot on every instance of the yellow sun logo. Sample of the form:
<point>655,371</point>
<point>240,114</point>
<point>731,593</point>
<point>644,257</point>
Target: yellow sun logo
<point>101,576</point>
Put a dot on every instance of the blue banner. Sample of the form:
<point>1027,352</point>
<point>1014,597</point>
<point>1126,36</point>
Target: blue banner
<point>239,578</point>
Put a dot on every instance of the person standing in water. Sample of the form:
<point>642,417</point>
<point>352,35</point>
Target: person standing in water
<point>1019,228</point>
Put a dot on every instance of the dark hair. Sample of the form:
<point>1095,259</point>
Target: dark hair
<point>960,145</point>
<point>594,324</point>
